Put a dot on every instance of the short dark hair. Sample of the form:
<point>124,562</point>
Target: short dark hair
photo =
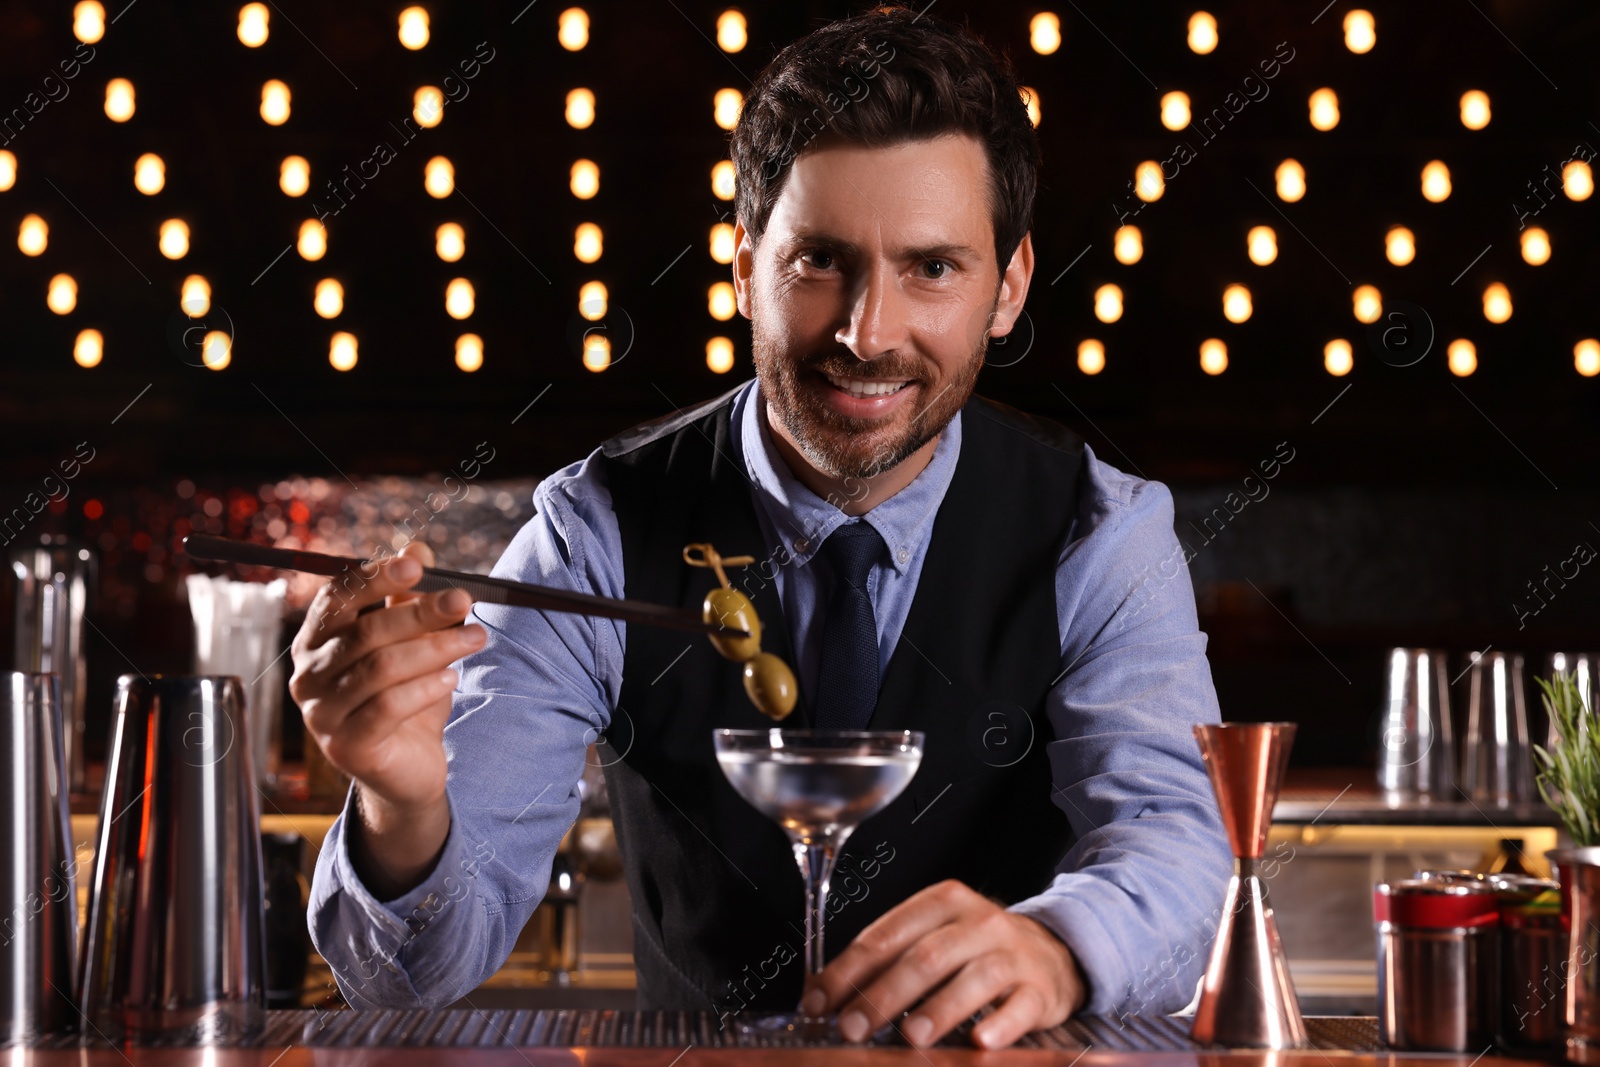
<point>880,78</point>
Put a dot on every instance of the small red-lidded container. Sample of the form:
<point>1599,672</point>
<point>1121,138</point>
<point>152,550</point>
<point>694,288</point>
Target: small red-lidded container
<point>1438,964</point>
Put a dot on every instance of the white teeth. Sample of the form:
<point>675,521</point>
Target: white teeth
<point>859,387</point>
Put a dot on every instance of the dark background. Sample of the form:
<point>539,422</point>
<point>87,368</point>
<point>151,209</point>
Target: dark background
<point>1418,506</point>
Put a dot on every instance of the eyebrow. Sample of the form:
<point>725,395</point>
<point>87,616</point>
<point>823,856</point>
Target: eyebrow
<point>938,251</point>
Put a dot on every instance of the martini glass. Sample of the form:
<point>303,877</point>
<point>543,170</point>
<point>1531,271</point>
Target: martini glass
<point>819,785</point>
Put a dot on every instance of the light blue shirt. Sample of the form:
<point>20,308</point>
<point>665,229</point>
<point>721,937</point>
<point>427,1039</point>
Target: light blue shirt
<point>1138,895</point>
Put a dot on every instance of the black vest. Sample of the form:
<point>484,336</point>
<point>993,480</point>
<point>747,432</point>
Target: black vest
<point>718,905</point>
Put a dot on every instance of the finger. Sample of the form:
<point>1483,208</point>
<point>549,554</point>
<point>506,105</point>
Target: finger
<point>420,551</point>
<point>918,971</point>
<point>983,979</point>
<point>1021,1013</point>
<point>390,665</point>
<point>357,747</point>
<point>882,942</point>
<point>422,613</point>
<point>336,606</point>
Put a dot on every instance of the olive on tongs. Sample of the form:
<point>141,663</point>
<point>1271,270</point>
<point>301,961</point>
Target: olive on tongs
<point>768,680</point>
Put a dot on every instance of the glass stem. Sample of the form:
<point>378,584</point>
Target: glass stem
<point>816,867</point>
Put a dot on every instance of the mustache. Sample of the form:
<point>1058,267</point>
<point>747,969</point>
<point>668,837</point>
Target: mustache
<point>885,368</point>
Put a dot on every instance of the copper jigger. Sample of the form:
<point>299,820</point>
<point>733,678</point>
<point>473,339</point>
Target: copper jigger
<point>1247,1000</point>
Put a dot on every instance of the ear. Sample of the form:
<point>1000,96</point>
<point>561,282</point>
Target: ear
<point>744,261</point>
<point>1013,288</point>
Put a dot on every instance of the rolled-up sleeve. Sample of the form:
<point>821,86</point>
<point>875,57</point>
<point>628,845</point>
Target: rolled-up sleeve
<point>1138,896</point>
<point>527,707</point>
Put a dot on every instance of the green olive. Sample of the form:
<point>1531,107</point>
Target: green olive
<point>771,685</point>
<point>732,608</point>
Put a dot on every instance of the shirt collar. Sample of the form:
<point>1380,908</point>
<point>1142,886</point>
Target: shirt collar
<point>803,520</point>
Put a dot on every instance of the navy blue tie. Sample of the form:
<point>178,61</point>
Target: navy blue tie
<point>847,685</point>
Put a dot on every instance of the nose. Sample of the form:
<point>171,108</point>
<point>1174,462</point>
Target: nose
<point>878,314</point>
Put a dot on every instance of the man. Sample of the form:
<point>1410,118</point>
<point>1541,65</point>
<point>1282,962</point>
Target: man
<point>1059,850</point>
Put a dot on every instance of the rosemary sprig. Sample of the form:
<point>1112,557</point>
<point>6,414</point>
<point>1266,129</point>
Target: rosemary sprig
<point>1569,777</point>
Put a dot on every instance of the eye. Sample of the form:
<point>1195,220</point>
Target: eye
<point>821,258</point>
<point>939,267</point>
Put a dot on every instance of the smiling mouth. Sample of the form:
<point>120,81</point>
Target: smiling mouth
<point>864,388</point>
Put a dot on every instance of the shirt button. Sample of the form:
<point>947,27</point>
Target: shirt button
<point>904,555</point>
<point>801,545</point>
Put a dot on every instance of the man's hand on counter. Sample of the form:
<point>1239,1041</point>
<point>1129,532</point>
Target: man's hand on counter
<point>961,951</point>
<point>374,690</point>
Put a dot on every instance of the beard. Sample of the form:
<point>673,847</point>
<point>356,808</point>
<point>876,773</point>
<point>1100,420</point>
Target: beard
<point>840,446</point>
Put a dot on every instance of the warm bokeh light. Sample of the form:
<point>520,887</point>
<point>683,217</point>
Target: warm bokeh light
<point>1091,356</point>
<point>88,23</point>
<point>274,103</point>
<point>1399,245</point>
<point>725,107</point>
<point>1030,99</point>
<point>1236,305</point>
<point>1108,303</point>
<point>1127,245</point>
<point>342,351</point>
<point>459,298</point>
<point>1213,356</point>
<point>1360,31</point>
<point>1367,303</point>
<point>88,349</point>
<point>1148,183</point>
<point>195,296</point>
<point>8,170</point>
<point>294,175</point>
<point>585,179</point>
<point>719,355</point>
<point>593,301</point>
<point>329,298</point>
<point>1261,243</point>
<point>33,235</point>
<point>62,295</point>
<point>216,350</point>
<point>1462,356</point>
<point>1535,246</point>
<point>469,352</point>
<point>1175,110</point>
<point>580,109</point>
<point>1497,303</point>
<point>174,240</point>
<point>732,33</point>
<point>253,19</point>
<point>313,240</point>
<point>1044,33</point>
<point>414,28</point>
<point>1202,33</point>
<point>1586,357</point>
<point>1577,180</point>
<point>572,29</point>
<point>427,106</point>
<point>722,246</point>
<point>1324,109</point>
<point>450,241</point>
<point>1338,357</point>
<point>119,100</point>
<point>722,179</point>
<point>439,177</point>
<point>1435,182</point>
<point>587,242</point>
<point>596,352</point>
<point>1475,109</point>
<point>721,301</point>
<point>1291,179</point>
<point>149,174</point>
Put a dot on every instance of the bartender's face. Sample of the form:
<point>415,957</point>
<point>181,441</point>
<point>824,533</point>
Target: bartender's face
<point>872,296</point>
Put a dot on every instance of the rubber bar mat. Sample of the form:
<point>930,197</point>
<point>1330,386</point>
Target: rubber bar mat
<point>679,1029</point>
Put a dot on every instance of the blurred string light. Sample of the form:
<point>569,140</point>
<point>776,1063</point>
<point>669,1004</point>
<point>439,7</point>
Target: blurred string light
<point>149,174</point>
<point>725,107</point>
<point>1044,33</point>
<point>1175,110</point>
<point>732,33</point>
<point>1435,182</point>
<point>469,352</point>
<point>1586,357</point>
<point>194,297</point>
<point>88,349</point>
<point>8,170</point>
<point>722,246</point>
<point>119,100</point>
<point>722,180</point>
<point>427,106</point>
<point>33,236</point>
<point>294,175</point>
<point>1475,109</point>
<point>1497,303</point>
<point>1400,246</point>
<point>216,350</point>
<point>1360,31</point>
<point>62,295</point>
<point>1577,180</point>
<point>1127,245</point>
<point>1367,303</point>
<point>587,242</point>
<point>1202,33</point>
<point>1236,305</point>
<point>439,177</point>
<point>719,355</point>
<point>596,352</point>
<point>329,298</point>
<point>1148,183</point>
<point>1091,356</point>
<point>1462,355</point>
<point>1213,356</point>
<point>1262,244</point>
<point>1108,303</point>
<point>585,179</point>
<point>580,109</point>
<point>592,301</point>
<point>1338,357</point>
<point>253,19</point>
<point>414,28</point>
<point>1291,179</point>
<point>1324,109</point>
<point>342,351</point>
<point>312,242</point>
<point>274,103</point>
<point>459,301</point>
<point>1030,98</point>
<point>174,241</point>
<point>1535,246</point>
<point>721,301</point>
<point>88,22</point>
<point>572,29</point>
<point>450,241</point>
